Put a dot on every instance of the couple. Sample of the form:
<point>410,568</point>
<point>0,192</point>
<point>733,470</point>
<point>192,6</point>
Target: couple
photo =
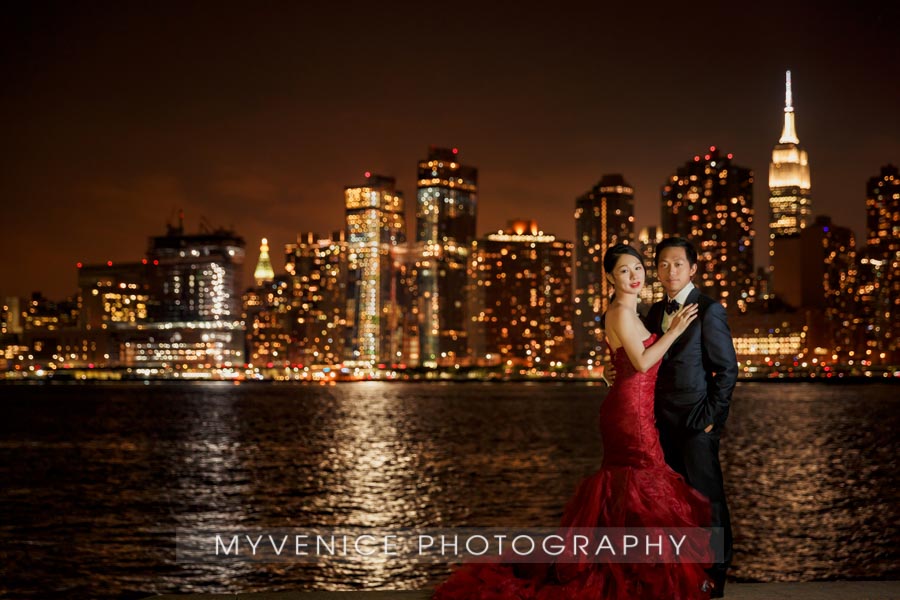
<point>660,424</point>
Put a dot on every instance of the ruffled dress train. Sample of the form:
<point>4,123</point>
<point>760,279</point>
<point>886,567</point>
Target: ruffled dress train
<point>634,488</point>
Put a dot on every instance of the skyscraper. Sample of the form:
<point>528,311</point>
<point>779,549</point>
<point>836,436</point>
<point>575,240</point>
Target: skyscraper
<point>50,335</point>
<point>446,211</point>
<point>197,282</point>
<point>653,290</point>
<point>199,276</point>
<point>710,201</point>
<point>114,296</point>
<point>376,231</point>
<point>264,271</point>
<point>317,268</point>
<point>879,269</point>
<point>520,298</point>
<point>790,205</point>
<point>405,346</point>
<point>10,316</point>
<point>604,216</point>
<point>873,307</point>
<point>883,210</point>
<point>827,254</point>
<point>268,317</point>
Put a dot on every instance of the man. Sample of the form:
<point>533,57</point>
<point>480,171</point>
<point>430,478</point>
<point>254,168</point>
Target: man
<point>694,387</point>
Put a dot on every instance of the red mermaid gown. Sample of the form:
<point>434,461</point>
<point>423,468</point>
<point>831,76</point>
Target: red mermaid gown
<point>634,487</point>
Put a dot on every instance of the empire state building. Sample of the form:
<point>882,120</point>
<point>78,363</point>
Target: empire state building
<point>790,205</point>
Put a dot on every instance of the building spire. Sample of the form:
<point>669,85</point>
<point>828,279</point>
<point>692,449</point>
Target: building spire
<point>788,100</point>
<point>789,132</point>
<point>264,271</point>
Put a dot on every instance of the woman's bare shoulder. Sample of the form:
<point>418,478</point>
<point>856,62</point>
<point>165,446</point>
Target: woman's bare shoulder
<point>615,308</point>
<point>617,313</point>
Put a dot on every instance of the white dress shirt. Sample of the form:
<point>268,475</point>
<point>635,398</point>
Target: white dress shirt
<point>680,299</point>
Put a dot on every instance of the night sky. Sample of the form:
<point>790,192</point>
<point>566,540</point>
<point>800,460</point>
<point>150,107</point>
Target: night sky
<point>116,115</point>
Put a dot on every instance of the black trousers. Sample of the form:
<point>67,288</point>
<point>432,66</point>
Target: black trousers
<point>696,457</point>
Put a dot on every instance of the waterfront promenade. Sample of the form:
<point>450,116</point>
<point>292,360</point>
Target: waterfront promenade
<point>837,590</point>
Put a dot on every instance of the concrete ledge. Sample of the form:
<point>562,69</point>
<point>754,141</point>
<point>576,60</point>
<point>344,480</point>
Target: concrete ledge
<point>827,590</point>
<point>414,595</point>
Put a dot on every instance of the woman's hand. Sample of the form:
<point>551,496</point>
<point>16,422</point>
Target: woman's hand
<point>682,318</point>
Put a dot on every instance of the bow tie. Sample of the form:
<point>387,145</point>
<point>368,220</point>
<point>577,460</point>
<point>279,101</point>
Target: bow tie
<point>672,306</point>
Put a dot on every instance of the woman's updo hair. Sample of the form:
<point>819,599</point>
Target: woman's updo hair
<point>614,252</point>
<point>610,259</point>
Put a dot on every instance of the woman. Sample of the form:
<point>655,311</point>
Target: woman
<point>633,487</point>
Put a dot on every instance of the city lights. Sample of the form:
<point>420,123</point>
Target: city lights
<point>364,303</point>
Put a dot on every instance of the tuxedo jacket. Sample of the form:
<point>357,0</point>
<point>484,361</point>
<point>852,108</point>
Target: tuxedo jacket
<point>698,373</point>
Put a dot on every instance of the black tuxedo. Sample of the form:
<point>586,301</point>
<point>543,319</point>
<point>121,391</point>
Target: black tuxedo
<point>693,390</point>
<point>698,373</point>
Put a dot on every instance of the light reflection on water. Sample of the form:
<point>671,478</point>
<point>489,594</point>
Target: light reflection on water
<point>813,476</point>
<point>97,479</point>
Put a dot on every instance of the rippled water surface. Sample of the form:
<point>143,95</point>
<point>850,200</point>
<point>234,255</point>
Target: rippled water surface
<point>96,479</point>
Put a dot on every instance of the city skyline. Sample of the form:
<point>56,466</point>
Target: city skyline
<point>364,303</point>
<point>227,135</point>
<point>178,219</point>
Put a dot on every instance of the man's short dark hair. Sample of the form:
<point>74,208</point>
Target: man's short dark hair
<point>678,242</point>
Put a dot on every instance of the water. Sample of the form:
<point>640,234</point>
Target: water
<point>95,479</point>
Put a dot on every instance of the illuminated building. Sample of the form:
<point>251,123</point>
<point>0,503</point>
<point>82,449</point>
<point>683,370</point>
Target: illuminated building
<point>773,345</point>
<point>763,286</point>
<point>878,293</point>
<point>827,282</point>
<point>114,295</point>
<point>177,347</point>
<point>769,343</point>
<point>196,280</point>
<point>446,210</point>
<point>790,206</point>
<point>883,210</point>
<point>710,201</point>
<point>604,216</point>
<point>11,316</point>
<point>113,299</point>
<point>653,290</point>
<point>10,330</point>
<point>520,298</point>
<point>875,329</point>
<point>317,270</point>
<point>264,271</point>
<point>199,276</point>
<point>830,266</point>
<point>376,230</point>
<point>41,314</point>
<point>47,327</point>
<point>405,345</point>
<point>268,319</point>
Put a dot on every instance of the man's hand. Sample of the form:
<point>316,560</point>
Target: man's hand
<point>708,428</point>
